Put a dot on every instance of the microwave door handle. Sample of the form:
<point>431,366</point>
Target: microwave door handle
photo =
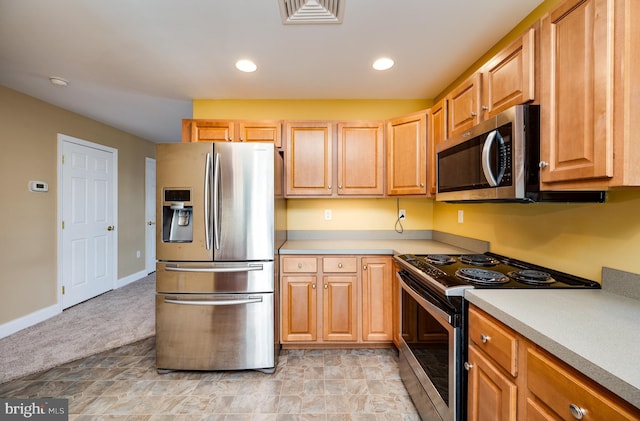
<point>216,201</point>
<point>207,202</point>
<point>486,158</point>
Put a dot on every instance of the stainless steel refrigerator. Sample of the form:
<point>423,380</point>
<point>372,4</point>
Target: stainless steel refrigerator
<point>220,224</point>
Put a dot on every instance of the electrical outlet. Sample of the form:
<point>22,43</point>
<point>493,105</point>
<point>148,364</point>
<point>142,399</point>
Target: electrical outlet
<point>402,214</point>
<point>460,216</point>
<point>137,254</point>
<point>327,215</point>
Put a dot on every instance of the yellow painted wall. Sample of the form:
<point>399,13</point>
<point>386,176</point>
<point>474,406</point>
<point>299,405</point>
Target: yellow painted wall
<point>575,238</point>
<point>359,214</point>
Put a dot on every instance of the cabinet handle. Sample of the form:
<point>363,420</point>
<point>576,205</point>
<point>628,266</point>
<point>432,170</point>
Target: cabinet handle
<point>421,184</point>
<point>467,366</point>
<point>484,338</point>
<point>577,412</point>
<point>543,164</point>
<point>313,286</point>
<point>364,267</point>
<point>474,114</point>
<point>229,139</point>
<point>485,108</point>
<point>329,187</point>
<point>340,265</point>
<point>326,286</point>
<point>241,139</point>
<point>340,186</point>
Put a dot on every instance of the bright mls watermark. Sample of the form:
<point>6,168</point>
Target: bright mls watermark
<point>49,409</point>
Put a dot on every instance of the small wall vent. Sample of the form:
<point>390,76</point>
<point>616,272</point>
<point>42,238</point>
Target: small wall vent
<point>311,11</point>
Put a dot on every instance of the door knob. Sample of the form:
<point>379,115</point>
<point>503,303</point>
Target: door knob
<point>110,228</point>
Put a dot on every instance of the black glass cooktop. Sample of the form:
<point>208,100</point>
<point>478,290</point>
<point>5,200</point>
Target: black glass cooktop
<point>488,270</point>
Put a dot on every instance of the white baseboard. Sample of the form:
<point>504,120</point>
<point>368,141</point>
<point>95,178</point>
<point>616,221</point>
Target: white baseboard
<point>131,278</point>
<point>31,319</point>
<point>43,314</point>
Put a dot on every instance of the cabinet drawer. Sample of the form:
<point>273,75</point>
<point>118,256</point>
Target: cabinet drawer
<point>339,264</point>
<point>564,390</point>
<point>495,340</point>
<point>300,264</point>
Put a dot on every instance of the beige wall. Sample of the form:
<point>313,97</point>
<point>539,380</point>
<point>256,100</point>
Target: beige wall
<point>28,226</point>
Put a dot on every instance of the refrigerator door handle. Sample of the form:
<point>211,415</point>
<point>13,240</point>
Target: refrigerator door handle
<point>216,202</point>
<point>207,202</point>
<point>250,300</point>
<point>248,268</point>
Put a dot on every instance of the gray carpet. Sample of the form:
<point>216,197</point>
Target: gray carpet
<point>113,319</point>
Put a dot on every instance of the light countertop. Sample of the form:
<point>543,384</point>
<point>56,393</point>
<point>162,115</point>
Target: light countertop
<point>369,247</point>
<point>595,331</point>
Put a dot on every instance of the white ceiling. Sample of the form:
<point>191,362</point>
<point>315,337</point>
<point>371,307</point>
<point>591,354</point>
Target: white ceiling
<point>137,64</point>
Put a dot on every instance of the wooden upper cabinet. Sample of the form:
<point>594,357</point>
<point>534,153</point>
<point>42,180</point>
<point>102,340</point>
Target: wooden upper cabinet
<point>360,158</point>
<point>437,133</point>
<point>464,105</point>
<point>407,155</point>
<point>232,131</point>
<point>508,79</point>
<point>309,158</point>
<point>590,85</point>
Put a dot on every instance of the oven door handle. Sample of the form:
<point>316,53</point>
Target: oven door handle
<point>431,307</point>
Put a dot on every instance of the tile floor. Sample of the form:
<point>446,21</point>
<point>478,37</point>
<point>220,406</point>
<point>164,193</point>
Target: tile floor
<point>122,384</point>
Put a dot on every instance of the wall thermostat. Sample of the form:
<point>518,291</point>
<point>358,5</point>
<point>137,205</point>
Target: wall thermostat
<point>38,186</point>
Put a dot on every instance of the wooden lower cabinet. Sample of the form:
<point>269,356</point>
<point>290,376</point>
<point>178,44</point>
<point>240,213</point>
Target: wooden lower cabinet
<point>511,378</point>
<point>335,299</point>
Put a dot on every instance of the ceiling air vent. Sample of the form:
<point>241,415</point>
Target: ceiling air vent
<point>311,11</point>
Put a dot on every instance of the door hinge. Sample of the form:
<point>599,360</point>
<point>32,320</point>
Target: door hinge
<point>62,224</point>
<point>62,159</point>
<point>62,289</point>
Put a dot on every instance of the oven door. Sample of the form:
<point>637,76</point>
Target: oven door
<point>430,357</point>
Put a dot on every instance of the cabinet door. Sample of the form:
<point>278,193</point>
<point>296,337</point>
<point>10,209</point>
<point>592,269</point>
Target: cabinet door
<point>437,133</point>
<point>509,78</point>
<point>464,105</point>
<point>309,158</point>
<point>207,131</point>
<point>339,316</point>
<point>260,131</point>
<point>407,155</point>
<point>577,74</point>
<point>492,395</point>
<point>298,308</point>
<point>360,158</point>
<point>376,299</point>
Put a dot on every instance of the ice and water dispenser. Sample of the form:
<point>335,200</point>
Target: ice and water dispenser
<point>177,216</point>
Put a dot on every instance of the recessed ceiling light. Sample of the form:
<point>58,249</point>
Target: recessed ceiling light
<point>246,66</point>
<point>383,63</point>
<point>58,81</point>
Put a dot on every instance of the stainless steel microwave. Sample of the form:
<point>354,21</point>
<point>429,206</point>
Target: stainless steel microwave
<point>497,160</point>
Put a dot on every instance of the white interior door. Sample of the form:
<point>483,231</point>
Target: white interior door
<point>150,211</point>
<point>88,211</point>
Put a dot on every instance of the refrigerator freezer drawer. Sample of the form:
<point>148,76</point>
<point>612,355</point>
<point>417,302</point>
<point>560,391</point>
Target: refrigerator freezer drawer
<point>215,332</point>
<point>206,278</point>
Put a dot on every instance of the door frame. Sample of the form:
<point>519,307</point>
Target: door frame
<point>148,243</point>
<point>62,138</point>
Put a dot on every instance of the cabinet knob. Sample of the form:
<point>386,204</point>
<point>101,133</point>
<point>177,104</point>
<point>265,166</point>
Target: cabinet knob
<point>474,114</point>
<point>329,187</point>
<point>484,338</point>
<point>577,412</point>
<point>313,286</point>
<point>364,267</point>
<point>543,164</point>
<point>421,184</point>
<point>299,265</point>
<point>242,139</point>
<point>340,265</point>
<point>340,186</point>
<point>229,139</point>
<point>467,366</point>
<point>326,286</point>
<point>485,108</point>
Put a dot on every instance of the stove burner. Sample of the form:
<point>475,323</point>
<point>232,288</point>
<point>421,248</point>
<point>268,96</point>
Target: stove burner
<point>532,277</point>
<point>478,260</point>
<point>440,259</point>
<point>481,276</point>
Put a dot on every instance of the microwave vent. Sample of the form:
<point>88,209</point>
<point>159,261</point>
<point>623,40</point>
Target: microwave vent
<point>311,11</point>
